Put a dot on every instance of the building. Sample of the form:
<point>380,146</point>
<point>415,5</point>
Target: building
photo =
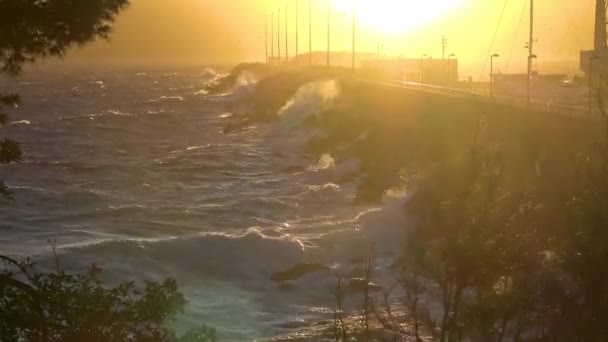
<point>424,70</point>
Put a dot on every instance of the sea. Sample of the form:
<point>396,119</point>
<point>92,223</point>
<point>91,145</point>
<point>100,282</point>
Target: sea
<point>130,169</point>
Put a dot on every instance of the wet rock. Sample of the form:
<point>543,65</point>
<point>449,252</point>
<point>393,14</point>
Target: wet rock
<point>297,272</point>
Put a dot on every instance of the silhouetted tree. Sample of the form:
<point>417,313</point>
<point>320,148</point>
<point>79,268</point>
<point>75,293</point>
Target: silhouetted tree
<point>34,29</point>
<point>58,306</point>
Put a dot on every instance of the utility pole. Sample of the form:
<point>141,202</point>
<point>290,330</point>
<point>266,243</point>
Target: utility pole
<point>297,28</point>
<point>286,34</point>
<point>592,59</point>
<point>328,29</point>
<point>310,32</point>
<point>279,35</point>
<point>354,9</point>
<point>530,49</point>
<point>266,36</point>
<point>444,44</point>
<point>272,36</point>
<point>600,27</point>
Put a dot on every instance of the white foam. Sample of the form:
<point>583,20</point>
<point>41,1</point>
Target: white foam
<point>309,100</point>
<point>21,122</point>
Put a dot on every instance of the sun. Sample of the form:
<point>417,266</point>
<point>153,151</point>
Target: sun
<point>396,16</point>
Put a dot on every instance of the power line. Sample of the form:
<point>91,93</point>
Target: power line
<point>523,11</point>
<point>483,69</point>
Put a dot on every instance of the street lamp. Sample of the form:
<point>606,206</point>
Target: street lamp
<point>297,28</point>
<point>354,10</point>
<point>272,37</point>
<point>328,30</point>
<point>421,60</point>
<point>286,33</point>
<point>266,36</point>
<point>279,36</point>
<point>310,32</point>
<point>492,74</point>
<point>590,75</point>
<point>450,56</point>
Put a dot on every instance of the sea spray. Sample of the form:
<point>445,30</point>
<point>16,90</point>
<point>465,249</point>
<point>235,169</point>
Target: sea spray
<point>310,99</point>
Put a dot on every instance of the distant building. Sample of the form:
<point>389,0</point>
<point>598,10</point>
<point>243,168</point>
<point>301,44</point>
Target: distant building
<point>425,70</point>
<point>336,59</point>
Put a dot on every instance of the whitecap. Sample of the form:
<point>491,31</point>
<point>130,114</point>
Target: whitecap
<point>21,122</point>
<point>325,162</point>
<point>168,99</point>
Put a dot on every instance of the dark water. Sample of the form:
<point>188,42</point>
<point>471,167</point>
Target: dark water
<point>129,169</point>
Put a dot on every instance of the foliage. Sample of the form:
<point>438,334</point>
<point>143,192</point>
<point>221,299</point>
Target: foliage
<point>30,30</point>
<point>60,306</point>
<point>64,307</point>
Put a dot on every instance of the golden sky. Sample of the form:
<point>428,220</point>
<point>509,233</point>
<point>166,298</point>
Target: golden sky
<point>233,30</point>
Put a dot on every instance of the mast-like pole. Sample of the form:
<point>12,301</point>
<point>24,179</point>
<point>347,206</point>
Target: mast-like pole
<point>530,49</point>
<point>309,32</point>
<point>354,9</point>
<point>272,36</point>
<point>297,28</point>
<point>279,35</point>
<point>286,34</point>
<point>266,36</point>
<point>328,29</point>
<point>600,26</point>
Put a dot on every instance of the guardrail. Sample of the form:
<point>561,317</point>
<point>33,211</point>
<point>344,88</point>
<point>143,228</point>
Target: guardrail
<point>559,109</point>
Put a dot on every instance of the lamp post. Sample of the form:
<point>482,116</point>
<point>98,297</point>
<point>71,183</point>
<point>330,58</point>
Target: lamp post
<point>297,28</point>
<point>450,56</point>
<point>530,49</point>
<point>354,10</point>
<point>328,29</point>
<point>492,74</point>
<point>272,37</point>
<point>286,34</point>
<point>590,76</point>
<point>266,36</point>
<point>421,68</point>
<point>279,35</point>
<point>310,32</point>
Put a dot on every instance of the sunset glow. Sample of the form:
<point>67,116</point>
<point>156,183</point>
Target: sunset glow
<point>396,16</point>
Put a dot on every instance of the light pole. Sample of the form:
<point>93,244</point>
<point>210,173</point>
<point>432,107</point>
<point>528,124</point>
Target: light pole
<point>310,32</point>
<point>279,35</point>
<point>286,34</point>
<point>450,56</point>
<point>530,48</point>
<point>297,28</point>
<point>272,37</point>
<point>354,31</point>
<point>492,74</point>
<point>421,68</point>
<point>266,36</point>
<point>328,29</point>
<point>590,76</point>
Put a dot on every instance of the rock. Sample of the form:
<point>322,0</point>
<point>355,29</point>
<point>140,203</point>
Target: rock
<point>297,272</point>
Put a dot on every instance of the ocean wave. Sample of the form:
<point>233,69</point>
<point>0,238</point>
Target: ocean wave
<point>309,100</point>
<point>254,254</point>
<point>168,99</point>
<point>21,122</point>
